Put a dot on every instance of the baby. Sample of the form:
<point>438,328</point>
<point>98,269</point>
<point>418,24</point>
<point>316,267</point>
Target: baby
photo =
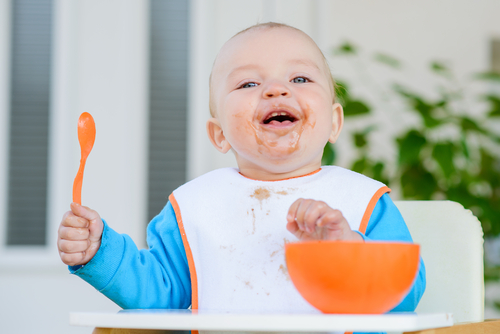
<point>218,243</point>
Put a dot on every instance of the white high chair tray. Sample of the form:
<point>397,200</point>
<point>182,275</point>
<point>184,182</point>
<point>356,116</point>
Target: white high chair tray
<point>300,322</point>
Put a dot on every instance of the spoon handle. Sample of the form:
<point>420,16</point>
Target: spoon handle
<point>77,184</point>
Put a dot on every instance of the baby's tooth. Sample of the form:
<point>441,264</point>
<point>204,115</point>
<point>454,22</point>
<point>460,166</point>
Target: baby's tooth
<point>274,114</point>
<point>283,113</point>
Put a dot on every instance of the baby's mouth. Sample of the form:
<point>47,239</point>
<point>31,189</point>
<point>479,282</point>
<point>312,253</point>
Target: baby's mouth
<point>279,118</point>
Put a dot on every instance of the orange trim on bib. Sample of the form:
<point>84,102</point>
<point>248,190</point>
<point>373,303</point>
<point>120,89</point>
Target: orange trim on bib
<point>189,254</point>
<point>370,207</point>
<point>289,178</point>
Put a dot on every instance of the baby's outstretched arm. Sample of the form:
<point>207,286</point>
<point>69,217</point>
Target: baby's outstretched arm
<point>314,220</point>
<point>79,235</point>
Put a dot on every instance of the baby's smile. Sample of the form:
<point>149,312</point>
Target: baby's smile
<point>279,118</point>
<point>279,126</point>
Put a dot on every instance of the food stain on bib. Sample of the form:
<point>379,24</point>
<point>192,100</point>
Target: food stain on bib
<point>284,271</point>
<point>253,222</point>
<point>261,194</point>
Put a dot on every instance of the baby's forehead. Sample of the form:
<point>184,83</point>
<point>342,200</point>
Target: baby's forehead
<point>253,40</point>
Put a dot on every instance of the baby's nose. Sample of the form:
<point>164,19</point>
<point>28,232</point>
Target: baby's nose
<point>276,90</point>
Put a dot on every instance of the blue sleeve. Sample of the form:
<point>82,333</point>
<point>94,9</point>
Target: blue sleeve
<point>386,223</point>
<point>154,278</point>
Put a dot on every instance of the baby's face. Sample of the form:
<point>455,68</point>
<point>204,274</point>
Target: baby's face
<point>273,99</point>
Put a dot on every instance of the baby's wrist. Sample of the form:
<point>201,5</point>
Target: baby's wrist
<point>356,236</point>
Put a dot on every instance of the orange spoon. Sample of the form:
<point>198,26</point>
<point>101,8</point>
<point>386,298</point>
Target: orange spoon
<point>86,137</point>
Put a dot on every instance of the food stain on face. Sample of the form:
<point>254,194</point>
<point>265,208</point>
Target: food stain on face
<point>262,139</point>
<point>293,146</point>
<point>259,138</point>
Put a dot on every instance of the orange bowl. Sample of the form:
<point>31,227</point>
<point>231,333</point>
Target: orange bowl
<point>352,277</point>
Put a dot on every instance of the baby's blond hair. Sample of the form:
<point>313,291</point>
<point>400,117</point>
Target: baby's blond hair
<point>271,25</point>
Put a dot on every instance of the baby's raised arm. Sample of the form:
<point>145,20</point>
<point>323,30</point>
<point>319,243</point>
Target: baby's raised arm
<point>309,219</point>
<point>79,235</point>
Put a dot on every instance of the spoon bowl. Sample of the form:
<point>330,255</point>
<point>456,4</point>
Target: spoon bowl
<point>86,138</point>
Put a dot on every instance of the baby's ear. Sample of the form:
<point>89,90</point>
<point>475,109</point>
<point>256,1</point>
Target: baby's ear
<point>338,122</point>
<point>216,135</point>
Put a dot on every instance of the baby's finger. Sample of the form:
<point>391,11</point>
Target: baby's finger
<point>72,259</point>
<point>331,218</point>
<point>292,226</point>
<point>84,212</point>
<point>70,220</point>
<point>301,212</point>
<point>96,225</point>
<point>73,233</point>
<point>313,213</point>
<point>292,211</point>
<point>70,246</point>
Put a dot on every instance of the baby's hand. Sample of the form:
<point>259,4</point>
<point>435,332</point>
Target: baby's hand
<point>315,220</point>
<point>79,236</point>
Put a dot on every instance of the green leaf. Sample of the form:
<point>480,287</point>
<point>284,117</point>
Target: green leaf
<point>355,108</point>
<point>417,183</point>
<point>420,105</point>
<point>345,49</point>
<point>494,105</point>
<point>440,68</point>
<point>410,146</point>
<point>359,165</point>
<point>328,155</point>
<point>341,92</point>
<point>378,173</point>
<point>490,168</point>
<point>469,124</point>
<point>425,109</point>
<point>491,273</point>
<point>403,91</point>
<point>359,139</point>
<point>488,76</point>
<point>465,147</point>
<point>387,60</point>
<point>443,154</point>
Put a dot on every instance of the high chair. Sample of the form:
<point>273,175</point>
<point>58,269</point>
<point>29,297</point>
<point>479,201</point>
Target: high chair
<point>451,240</point>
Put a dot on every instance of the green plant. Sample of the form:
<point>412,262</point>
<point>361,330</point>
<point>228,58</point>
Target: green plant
<point>451,150</point>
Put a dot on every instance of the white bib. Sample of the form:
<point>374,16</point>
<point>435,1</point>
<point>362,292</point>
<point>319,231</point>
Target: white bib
<point>234,232</point>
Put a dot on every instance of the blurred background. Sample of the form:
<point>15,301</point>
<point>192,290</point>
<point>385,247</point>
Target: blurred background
<point>419,80</point>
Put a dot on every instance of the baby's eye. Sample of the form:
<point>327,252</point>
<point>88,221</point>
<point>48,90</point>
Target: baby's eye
<point>300,80</point>
<point>248,85</point>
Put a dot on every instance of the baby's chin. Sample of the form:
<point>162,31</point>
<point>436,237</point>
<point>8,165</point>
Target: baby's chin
<point>280,162</point>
